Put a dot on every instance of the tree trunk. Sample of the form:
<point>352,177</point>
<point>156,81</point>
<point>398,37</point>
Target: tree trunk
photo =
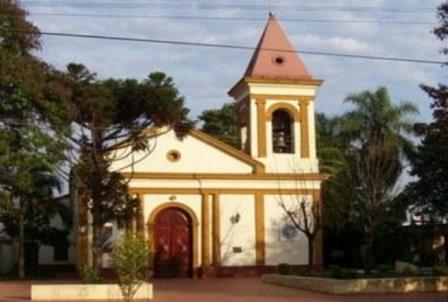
<point>97,247</point>
<point>310,253</point>
<point>368,251</point>
<point>21,247</point>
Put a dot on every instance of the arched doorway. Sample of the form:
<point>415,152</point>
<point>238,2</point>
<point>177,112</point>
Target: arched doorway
<point>173,243</point>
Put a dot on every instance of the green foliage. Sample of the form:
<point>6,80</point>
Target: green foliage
<point>285,269</point>
<point>13,21</point>
<point>429,163</point>
<point>372,141</point>
<point>222,123</point>
<point>385,269</point>
<point>330,144</point>
<point>331,149</point>
<point>31,147</point>
<point>90,275</point>
<point>341,273</point>
<point>129,259</point>
<point>111,114</point>
<point>441,270</point>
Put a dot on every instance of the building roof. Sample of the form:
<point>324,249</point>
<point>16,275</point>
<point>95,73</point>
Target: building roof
<point>275,57</point>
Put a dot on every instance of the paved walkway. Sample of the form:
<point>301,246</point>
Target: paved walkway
<point>232,290</point>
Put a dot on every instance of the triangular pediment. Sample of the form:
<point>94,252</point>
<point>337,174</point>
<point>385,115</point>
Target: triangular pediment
<point>197,152</point>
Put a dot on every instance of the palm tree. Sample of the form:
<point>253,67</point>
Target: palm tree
<point>377,133</point>
<point>376,119</point>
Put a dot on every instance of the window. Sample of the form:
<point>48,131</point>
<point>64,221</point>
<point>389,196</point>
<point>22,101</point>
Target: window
<point>173,156</point>
<point>282,132</point>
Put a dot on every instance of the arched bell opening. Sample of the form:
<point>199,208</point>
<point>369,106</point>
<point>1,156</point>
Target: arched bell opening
<point>282,132</point>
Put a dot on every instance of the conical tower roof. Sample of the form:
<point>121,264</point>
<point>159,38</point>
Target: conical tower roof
<point>275,57</point>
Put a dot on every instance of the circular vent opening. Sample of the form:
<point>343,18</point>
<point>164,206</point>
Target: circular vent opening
<point>279,60</point>
<point>173,155</point>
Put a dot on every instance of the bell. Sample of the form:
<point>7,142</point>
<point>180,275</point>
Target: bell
<point>281,141</point>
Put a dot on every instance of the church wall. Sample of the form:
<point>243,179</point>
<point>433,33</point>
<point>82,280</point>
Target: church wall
<point>279,248</point>
<point>281,89</point>
<point>237,230</point>
<point>253,129</point>
<point>191,152</point>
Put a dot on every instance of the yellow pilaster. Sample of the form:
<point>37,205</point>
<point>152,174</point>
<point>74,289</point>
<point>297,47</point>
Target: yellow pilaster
<point>205,230</point>
<point>216,216</point>
<point>261,125</point>
<point>259,229</point>
<point>304,129</point>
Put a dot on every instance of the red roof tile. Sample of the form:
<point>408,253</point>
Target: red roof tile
<point>275,57</point>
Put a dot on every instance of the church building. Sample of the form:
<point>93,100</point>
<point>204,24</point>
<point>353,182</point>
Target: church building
<point>209,209</point>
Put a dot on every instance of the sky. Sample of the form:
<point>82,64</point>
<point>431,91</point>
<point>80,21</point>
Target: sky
<point>204,75</point>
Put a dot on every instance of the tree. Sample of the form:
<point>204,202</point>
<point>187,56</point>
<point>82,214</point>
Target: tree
<point>306,216</point>
<point>106,115</point>
<point>430,161</point>
<point>222,124</point>
<point>376,131</point>
<point>129,259</point>
<point>336,193</point>
<point>29,216</point>
<point>30,93</point>
<point>309,217</point>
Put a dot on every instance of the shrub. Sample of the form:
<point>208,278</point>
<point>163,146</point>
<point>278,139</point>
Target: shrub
<point>285,269</point>
<point>385,269</point>
<point>341,273</point>
<point>441,270</point>
<point>90,275</point>
<point>129,260</point>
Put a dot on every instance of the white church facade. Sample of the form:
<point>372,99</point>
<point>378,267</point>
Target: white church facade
<point>210,209</point>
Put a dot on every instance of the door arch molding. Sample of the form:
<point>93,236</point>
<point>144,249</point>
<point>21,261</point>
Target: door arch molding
<point>194,225</point>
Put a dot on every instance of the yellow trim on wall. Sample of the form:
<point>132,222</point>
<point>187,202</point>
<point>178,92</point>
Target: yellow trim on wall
<point>259,229</point>
<point>216,216</point>
<point>228,176</point>
<point>195,225</point>
<point>187,191</point>
<point>205,230</point>
<point>304,130</point>
<point>285,97</point>
<point>293,112</point>
<point>140,215</point>
<point>261,125</point>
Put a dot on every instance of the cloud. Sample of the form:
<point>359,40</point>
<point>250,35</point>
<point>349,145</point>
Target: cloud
<point>204,75</point>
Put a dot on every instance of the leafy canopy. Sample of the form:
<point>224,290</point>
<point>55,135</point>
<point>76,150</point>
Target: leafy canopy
<point>222,123</point>
<point>430,161</point>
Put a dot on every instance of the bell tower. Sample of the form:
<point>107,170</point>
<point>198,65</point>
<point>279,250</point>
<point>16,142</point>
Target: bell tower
<point>276,105</point>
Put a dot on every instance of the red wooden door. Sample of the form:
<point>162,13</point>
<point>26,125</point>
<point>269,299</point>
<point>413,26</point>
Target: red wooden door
<point>173,244</point>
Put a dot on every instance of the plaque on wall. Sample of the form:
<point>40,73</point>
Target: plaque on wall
<point>237,249</point>
<point>289,232</point>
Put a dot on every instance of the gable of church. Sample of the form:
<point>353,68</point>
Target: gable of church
<point>197,152</point>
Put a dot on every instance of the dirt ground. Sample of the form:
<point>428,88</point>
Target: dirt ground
<point>229,290</point>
